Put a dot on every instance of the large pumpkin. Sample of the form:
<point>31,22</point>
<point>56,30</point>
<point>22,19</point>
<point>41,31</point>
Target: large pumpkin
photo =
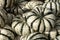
<point>40,21</point>
<point>53,6</point>
<point>6,33</point>
<point>37,36</point>
<point>3,17</point>
<point>20,26</point>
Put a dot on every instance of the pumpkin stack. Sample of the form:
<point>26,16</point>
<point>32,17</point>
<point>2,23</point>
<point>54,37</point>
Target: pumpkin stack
<point>29,20</point>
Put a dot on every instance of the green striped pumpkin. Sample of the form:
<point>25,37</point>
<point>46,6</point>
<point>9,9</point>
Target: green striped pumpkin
<point>40,21</point>
<point>6,33</point>
<point>52,6</point>
<point>37,36</point>
<point>20,26</point>
<point>3,17</point>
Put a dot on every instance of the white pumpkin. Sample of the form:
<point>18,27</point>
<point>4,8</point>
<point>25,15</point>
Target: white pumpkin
<point>3,17</point>
<point>20,26</point>
<point>57,38</point>
<point>37,36</point>
<point>52,6</point>
<point>39,21</point>
<point>7,33</point>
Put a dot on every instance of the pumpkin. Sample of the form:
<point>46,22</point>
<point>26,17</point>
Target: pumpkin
<point>40,21</point>
<point>3,17</point>
<point>18,7</point>
<point>53,6</point>
<point>6,33</point>
<point>31,4</point>
<point>37,36</point>
<point>20,26</point>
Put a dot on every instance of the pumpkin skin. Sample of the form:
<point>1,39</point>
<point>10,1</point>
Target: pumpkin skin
<point>20,26</point>
<point>29,5</point>
<point>7,33</point>
<point>36,36</point>
<point>3,17</point>
<point>53,6</point>
<point>37,20</point>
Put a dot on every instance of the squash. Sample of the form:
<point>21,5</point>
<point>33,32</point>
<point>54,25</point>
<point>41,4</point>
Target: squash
<point>40,21</point>
<point>20,26</point>
<point>52,6</point>
<point>6,33</point>
<point>37,36</point>
<point>3,17</point>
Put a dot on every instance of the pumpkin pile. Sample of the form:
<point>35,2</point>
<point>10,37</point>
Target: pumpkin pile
<point>29,20</point>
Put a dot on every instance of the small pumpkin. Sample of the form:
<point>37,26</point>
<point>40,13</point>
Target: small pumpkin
<point>20,26</point>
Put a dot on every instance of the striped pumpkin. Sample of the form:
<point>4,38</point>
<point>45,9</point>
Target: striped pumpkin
<point>17,7</point>
<point>52,6</point>
<point>31,4</point>
<point>6,33</point>
<point>3,17</point>
<point>37,36</point>
<point>20,26</point>
<point>40,21</point>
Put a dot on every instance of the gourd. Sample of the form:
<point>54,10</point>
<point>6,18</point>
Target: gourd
<point>40,21</point>
<point>52,6</point>
<point>57,38</point>
<point>3,17</point>
<point>37,36</point>
<point>20,26</point>
<point>6,33</point>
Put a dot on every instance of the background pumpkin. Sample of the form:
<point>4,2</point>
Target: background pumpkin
<point>38,20</point>
<point>6,33</point>
<point>53,6</point>
<point>20,26</point>
<point>37,36</point>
